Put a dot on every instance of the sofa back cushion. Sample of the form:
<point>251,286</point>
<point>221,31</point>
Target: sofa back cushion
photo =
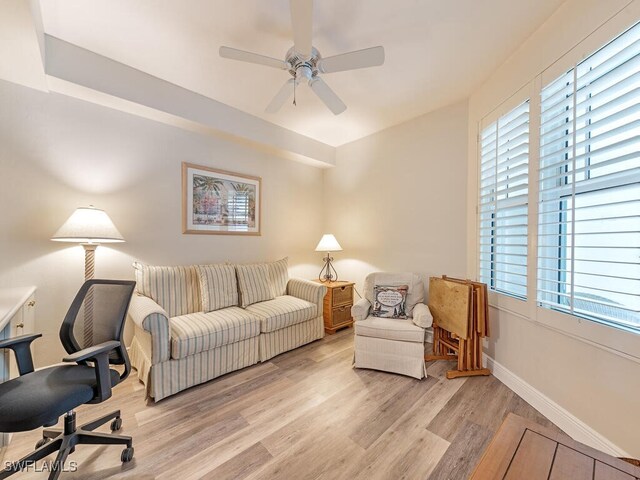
<point>253,282</point>
<point>218,287</point>
<point>279,276</point>
<point>415,293</point>
<point>175,288</point>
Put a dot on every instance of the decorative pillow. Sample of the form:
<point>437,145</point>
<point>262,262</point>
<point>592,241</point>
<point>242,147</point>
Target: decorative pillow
<point>218,287</point>
<point>415,294</point>
<point>175,289</point>
<point>390,301</point>
<point>279,276</point>
<point>253,281</point>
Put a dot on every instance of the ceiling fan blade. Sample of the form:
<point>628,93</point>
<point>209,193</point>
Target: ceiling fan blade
<point>301,21</point>
<point>235,54</point>
<point>369,57</point>
<point>281,97</point>
<point>328,96</point>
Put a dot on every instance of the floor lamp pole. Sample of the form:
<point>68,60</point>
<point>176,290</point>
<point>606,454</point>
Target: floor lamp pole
<point>89,273</point>
<point>89,260</point>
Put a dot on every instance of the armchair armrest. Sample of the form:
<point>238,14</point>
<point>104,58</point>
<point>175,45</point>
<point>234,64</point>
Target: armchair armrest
<point>99,354</point>
<point>307,290</point>
<point>152,318</point>
<point>422,316</point>
<point>21,347</point>
<point>360,309</point>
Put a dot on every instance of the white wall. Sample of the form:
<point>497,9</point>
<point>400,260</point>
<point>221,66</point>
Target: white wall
<point>396,200</point>
<point>57,153</point>
<point>591,371</point>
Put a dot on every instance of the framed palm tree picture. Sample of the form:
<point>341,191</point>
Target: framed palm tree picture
<point>219,202</point>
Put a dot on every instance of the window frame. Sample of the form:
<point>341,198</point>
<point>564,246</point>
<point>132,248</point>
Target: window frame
<point>609,339</point>
<point>517,101</point>
<point>567,177</point>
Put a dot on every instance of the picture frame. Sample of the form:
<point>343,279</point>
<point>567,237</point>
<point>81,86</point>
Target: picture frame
<point>218,202</point>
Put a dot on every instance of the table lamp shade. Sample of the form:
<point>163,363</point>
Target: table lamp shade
<point>328,243</point>
<point>88,225</point>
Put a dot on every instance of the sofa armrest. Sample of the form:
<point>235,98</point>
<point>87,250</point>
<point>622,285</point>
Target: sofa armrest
<point>151,317</point>
<point>422,316</point>
<point>360,309</point>
<point>307,290</point>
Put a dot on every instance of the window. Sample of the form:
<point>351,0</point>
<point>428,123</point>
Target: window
<point>589,195</point>
<point>504,188</point>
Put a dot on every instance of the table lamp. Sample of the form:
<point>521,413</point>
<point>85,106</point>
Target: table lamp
<point>328,243</point>
<point>88,226</point>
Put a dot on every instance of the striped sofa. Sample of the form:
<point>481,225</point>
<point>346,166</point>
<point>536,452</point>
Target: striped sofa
<point>195,323</point>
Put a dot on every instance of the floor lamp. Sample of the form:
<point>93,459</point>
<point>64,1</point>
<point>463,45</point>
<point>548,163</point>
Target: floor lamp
<point>88,226</point>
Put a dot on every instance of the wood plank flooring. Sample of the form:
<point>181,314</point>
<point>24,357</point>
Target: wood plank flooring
<point>306,414</point>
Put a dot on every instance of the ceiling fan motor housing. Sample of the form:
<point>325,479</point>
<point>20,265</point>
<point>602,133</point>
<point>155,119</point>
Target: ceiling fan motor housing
<point>303,68</point>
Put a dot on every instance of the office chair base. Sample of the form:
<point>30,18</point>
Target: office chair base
<point>64,442</point>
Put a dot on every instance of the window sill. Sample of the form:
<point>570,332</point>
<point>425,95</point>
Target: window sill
<point>610,339</point>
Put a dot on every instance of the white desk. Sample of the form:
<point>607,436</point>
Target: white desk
<point>12,300</point>
<point>17,317</point>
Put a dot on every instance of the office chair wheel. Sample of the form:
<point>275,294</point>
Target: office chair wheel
<point>42,442</point>
<point>127,455</point>
<point>116,424</point>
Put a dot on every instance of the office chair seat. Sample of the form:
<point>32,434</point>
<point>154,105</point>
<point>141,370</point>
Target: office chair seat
<point>40,397</point>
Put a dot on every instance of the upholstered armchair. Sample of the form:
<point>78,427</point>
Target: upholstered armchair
<point>392,344</point>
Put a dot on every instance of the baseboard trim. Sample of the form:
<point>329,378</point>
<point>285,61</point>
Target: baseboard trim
<point>570,424</point>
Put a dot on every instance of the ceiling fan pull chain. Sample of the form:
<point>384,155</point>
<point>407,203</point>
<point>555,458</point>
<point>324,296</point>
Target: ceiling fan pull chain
<point>294,92</point>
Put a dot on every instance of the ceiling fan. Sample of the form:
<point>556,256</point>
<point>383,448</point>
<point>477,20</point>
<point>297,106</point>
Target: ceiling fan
<point>304,62</point>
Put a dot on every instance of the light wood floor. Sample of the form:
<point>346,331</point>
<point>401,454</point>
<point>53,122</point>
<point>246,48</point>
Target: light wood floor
<point>306,414</point>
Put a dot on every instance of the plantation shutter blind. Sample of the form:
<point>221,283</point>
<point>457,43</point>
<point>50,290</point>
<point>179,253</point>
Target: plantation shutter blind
<point>589,187</point>
<point>503,203</point>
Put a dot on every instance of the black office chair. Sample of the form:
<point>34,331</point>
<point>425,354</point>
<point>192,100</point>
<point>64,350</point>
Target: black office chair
<point>38,398</point>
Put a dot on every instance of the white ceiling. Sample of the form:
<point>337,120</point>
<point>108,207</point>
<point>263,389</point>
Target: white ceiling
<point>437,51</point>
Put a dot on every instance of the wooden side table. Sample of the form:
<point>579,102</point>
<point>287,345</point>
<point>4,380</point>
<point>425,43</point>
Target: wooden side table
<point>524,449</point>
<point>337,306</point>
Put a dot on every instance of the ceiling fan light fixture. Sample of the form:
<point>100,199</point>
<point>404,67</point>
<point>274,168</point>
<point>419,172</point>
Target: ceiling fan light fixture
<point>303,73</point>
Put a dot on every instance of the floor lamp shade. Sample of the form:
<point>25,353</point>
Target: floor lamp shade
<point>88,225</point>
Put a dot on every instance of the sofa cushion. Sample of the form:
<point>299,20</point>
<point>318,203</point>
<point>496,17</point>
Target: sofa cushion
<point>279,276</point>
<point>253,282</point>
<point>282,312</point>
<point>197,332</point>
<point>389,329</point>
<point>175,288</point>
<point>219,287</point>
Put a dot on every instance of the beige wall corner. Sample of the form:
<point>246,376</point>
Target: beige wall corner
<point>396,199</point>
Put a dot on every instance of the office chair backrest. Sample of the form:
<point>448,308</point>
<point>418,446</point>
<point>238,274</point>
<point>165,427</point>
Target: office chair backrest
<point>97,315</point>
